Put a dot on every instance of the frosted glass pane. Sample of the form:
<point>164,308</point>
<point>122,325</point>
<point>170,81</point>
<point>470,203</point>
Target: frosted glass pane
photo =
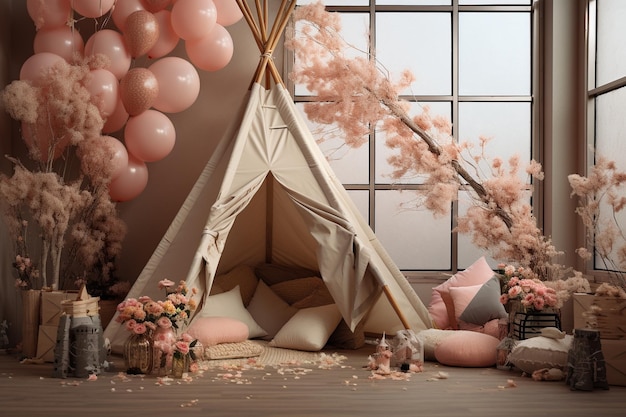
<point>355,32</point>
<point>468,252</point>
<point>508,124</point>
<point>351,165</point>
<point>419,42</point>
<point>610,128</point>
<point>496,2</point>
<point>611,125</point>
<point>413,2</point>
<point>494,53</point>
<point>362,201</point>
<point>335,2</point>
<point>413,238</point>
<point>611,32</point>
<point>383,169</point>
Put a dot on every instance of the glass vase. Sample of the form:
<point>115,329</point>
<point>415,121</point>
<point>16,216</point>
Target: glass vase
<point>180,365</point>
<point>163,343</point>
<point>138,354</point>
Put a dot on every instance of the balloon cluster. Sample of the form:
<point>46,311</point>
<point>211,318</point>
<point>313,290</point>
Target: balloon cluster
<point>133,98</point>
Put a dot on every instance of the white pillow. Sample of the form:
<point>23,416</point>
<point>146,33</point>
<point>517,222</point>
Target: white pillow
<point>309,329</point>
<point>540,352</point>
<point>229,304</point>
<point>269,310</point>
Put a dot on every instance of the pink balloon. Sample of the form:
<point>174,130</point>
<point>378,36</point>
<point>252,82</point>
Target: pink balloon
<point>123,9</point>
<point>49,14</point>
<point>213,52</point>
<point>37,65</point>
<point>138,90</point>
<point>110,43</point>
<point>149,136</point>
<point>131,182</point>
<point>63,41</point>
<point>119,155</point>
<point>117,120</point>
<point>179,84</point>
<point>141,33</point>
<point>228,12</point>
<point>193,19</point>
<point>168,39</point>
<point>103,87</point>
<point>92,8</point>
<point>155,5</point>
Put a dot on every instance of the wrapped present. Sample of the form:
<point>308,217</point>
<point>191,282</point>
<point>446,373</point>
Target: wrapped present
<point>607,314</point>
<point>615,358</point>
<point>51,305</point>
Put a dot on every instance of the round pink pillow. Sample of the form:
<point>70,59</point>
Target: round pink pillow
<point>212,331</point>
<point>467,349</point>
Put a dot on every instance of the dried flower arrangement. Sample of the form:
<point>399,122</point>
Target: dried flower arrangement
<point>600,200</point>
<point>355,95</point>
<point>62,205</point>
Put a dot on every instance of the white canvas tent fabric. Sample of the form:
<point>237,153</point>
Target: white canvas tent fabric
<point>268,195</point>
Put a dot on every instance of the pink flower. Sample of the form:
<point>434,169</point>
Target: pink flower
<point>193,367</point>
<point>130,325</point>
<point>538,303</point>
<point>164,323</point>
<point>140,328</point>
<point>504,298</point>
<point>515,291</point>
<point>186,337</point>
<point>182,347</point>
<point>165,283</point>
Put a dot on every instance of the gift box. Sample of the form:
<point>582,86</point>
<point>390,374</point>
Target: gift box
<point>614,352</point>
<point>51,309</point>
<point>610,319</point>
<point>46,341</point>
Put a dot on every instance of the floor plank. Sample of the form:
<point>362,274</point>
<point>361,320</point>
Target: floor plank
<point>29,390</point>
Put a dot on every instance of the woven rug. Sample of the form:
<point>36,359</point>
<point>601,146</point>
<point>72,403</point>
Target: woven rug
<point>273,356</point>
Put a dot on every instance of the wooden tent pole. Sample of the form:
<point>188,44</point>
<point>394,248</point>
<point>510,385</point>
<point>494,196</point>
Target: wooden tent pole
<point>395,306</point>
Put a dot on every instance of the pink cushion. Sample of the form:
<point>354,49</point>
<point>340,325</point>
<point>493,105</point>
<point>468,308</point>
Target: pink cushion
<point>211,331</point>
<point>441,307</point>
<point>467,349</point>
<point>477,304</point>
<point>492,327</point>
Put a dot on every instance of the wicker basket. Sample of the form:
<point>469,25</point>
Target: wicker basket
<point>84,305</point>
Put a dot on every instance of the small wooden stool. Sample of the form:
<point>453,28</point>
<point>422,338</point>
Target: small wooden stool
<point>586,368</point>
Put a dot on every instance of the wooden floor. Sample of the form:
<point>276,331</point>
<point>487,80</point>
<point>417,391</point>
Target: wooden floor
<point>29,390</point>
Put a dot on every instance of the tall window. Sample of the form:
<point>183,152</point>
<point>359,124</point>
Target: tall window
<point>472,62</point>
<point>607,84</point>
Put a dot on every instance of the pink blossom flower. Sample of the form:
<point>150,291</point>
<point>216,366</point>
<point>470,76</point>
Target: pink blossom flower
<point>186,337</point>
<point>165,283</point>
<point>182,347</point>
<point>193,367</point>
<point>164,323</point>
<point>140,328</point>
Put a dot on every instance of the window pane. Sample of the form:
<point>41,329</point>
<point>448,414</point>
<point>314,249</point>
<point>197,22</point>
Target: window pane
<point>423,46</point>
<point>414,238</point>
<point>413,2</point>
<point>494,53</point>
<point>508,124</point>
<point>611,54</point>
<point>351,165</point>
<point>335,2</point>
<point>611,125</point>
<point>362,201</point>
<point>494,2</point>
<point>383,152</point>
<point>354,31</point>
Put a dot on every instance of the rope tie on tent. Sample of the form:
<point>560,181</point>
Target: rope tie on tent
<point>207,231</point>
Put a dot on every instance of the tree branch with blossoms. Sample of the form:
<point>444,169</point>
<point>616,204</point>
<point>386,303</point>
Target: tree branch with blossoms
<point>356,95</point>
<point>600,200</point>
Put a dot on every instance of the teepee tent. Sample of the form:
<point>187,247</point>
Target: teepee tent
<point>268,195</point>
